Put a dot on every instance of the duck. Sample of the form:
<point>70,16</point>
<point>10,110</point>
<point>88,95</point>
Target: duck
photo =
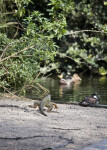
<point>90,100</point>
<point>65,81</point>
<point>76,77</point>
<point>68,80</point>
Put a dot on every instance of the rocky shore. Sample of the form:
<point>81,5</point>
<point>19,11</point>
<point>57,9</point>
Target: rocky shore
<point>70,127</point>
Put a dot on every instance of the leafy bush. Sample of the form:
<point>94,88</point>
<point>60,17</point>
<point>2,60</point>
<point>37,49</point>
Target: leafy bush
<point>85,41</point>
<point>42,36</point>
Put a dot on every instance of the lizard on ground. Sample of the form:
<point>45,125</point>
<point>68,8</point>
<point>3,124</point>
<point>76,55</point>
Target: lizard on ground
<point>45,102</point>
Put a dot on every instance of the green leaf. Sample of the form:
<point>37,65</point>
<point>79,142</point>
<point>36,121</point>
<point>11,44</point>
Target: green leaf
<point>102,71</point>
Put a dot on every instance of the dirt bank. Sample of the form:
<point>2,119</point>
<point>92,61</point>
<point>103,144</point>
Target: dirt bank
<point>68,128</point>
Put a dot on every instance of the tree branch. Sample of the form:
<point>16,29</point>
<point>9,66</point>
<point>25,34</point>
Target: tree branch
<point>26,48</point>
<point>76,32</point>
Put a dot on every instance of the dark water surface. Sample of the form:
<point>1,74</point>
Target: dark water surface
<point>77,92</point>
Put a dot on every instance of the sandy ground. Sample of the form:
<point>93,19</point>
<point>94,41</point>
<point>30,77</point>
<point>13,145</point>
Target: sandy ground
<point>70,127</point>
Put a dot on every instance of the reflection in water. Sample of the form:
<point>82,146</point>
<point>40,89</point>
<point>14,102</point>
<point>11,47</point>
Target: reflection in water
<point>77,91</point>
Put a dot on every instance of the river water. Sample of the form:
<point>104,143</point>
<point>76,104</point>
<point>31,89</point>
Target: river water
<point>77,92</point>
<point>74,93</point>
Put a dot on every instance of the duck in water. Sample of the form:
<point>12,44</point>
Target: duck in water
<point>90,101</point>
<point>76,77</point>
<point>65,80</point>
<point>68,80</point>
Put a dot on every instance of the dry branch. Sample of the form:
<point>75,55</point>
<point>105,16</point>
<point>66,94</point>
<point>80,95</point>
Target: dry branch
<point>75,32</point>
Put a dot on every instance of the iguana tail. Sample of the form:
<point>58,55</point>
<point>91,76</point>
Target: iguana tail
<point>43,103</point>
<point>42,112</point>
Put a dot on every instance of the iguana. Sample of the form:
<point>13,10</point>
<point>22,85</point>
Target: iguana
<point>46,102</point>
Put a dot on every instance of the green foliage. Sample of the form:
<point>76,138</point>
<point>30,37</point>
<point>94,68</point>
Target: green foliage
<point>47,27</point>
<point>102,71</point>
<point>21,59</point>
<point>85,42</point>
<point>18,70</point>
<point>60,7</point>
<point>105,3</point>
<point>21,6</point>
<point>42,36</point>
<point>22,66</point>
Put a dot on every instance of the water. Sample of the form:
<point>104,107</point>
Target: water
<point>77,92</point>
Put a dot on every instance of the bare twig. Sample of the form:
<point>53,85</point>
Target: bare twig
<point>18,27</point>
<point>26,48</point>
<point>65,56</point>
<point>7,24</point>
<point>7,13</point>
<point>6,49</point>
<point>46,90</point>
<point>7,90</point>
<point>75,32</point>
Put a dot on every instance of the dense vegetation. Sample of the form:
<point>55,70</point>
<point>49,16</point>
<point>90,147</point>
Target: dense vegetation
<point>43,36</point>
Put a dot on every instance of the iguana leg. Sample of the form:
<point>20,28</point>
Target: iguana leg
<point>55,105</point>
<point>34,105</point>
<point>50,107</point>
